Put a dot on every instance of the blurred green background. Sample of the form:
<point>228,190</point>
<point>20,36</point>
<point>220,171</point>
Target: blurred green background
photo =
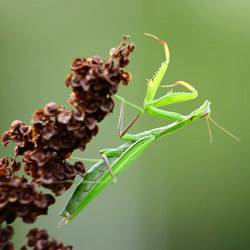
<point>183,193</point>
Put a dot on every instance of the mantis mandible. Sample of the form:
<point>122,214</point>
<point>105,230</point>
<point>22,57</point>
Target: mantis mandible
<point>115,161</point>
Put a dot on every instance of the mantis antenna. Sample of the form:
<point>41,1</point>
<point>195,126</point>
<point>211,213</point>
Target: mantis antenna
<point>209,130</point>
<point>216,124</point>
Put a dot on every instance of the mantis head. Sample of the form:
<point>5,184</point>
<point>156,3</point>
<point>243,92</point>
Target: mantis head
<point>205,109</point>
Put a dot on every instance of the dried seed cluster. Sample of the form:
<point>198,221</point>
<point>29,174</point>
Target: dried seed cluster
<point>19,198</point>
<point>94,82</point>
<point>55,133</point>
<point>39,239</point>
<point>58,131</point>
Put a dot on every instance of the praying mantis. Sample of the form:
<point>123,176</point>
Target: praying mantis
<point>115,161</point>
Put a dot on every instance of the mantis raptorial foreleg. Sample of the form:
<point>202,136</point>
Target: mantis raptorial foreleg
<point>150,105</point>
<point>173,97</point>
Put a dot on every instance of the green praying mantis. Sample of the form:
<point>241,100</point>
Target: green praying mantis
<point>115,161</point>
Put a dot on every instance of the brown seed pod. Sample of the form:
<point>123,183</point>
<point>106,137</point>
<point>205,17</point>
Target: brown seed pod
<point>39,239</point>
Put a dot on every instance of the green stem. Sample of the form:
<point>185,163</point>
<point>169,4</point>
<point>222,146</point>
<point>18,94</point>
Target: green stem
<point>84,159</point>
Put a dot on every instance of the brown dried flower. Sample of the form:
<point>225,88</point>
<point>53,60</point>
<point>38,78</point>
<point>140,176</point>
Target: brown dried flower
<point>6,235</point>
<point>20,198</point>
<point>39,239</point>
<point>94,82</point>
